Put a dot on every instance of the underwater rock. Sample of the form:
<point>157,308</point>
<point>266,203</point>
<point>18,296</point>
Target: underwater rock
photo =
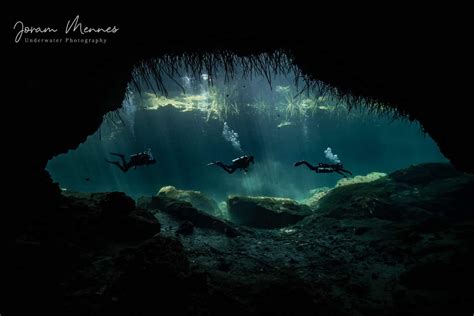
<point>184,211</point>
<point>365,207</point>
<point>196,198</point>
<point>361,230</point>
<point>357,289</point>
<point>144,202</point>
<point>107,204</point>
<point>419,258</point>
<point>413,194</point>
<point>316,195</point>
<point>114,203</point>
<point>375,275</point>
<point>432,275</point>
<point>185,228</point>
<point>265,212</point>
<point>223,208</point>
<point>286,297</point>
<point>224,265</point>
<point>361,179</point>
<point>110,214</point>
<point>141,224</point>
<point>135,277</point>
<point>425,173</point>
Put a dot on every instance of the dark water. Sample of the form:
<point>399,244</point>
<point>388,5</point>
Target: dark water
<point>272,124</point>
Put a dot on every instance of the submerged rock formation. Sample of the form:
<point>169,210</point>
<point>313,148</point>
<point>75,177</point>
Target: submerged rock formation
<point>130,280</point>
<point>111,214</point>
<point>184,211</point>
<point>419,192</point>
<point>56,257</point>
<point>401,245</point>
<point>265,212</point>
<point>361,179</point>
<point>196,198</point>
<point>318,193</point>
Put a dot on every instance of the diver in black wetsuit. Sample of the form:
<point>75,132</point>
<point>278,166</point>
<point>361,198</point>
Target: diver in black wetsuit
<point>238,163</point>
<point>141,159</point>
<point>325,168</point>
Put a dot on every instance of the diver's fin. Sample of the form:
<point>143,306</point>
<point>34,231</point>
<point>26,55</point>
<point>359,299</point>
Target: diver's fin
<point>217,163</point>
<point>115,154</point>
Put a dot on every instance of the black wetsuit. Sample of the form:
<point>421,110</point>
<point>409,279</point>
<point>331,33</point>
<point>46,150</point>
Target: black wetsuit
<point>325,168</point>
<point>238,163</point>
<point>140,159</point>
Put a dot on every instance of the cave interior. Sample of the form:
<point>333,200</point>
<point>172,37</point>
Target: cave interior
<point>54,236</point>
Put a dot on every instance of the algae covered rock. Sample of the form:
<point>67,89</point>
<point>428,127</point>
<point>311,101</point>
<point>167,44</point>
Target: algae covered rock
<point>318,193</point>
<point>265,212</point>
<point>361,179</point>
<point>415,193</point>
<point>196,198</point>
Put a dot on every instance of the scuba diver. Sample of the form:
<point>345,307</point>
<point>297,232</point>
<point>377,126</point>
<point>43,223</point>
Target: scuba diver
<point>141,159</point>
<point>238,163</point>
<point>325,168</point>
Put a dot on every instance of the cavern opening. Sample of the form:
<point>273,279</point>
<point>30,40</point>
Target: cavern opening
<point>193,113</point>
<point>395,237</point>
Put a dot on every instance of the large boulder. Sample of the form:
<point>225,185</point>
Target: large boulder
<point>265,212</point>
<point>110,215</point>
<point>318,193</point>
<point>140,224</point>
<point>416,193</point>
<point>196,198</point>
<point>184,211</point>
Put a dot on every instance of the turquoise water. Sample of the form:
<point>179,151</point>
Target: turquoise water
<point>226,119</point>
